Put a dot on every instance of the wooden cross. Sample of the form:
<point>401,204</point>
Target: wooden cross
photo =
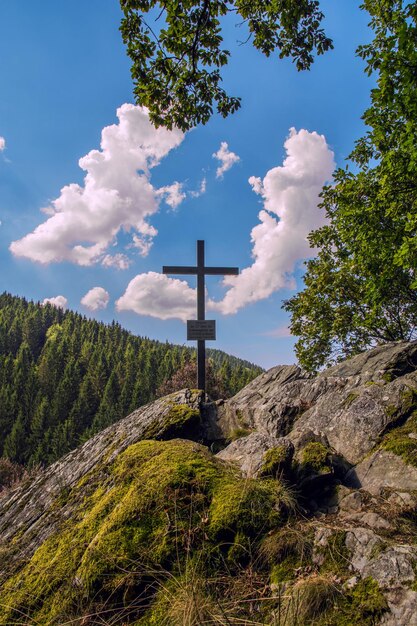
<point>201,271</point>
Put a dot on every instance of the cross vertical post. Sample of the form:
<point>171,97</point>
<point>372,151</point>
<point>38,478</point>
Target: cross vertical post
<point>201,344</point>
<point>204,329</point>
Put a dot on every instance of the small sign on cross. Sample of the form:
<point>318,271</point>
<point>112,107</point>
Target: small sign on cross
<point>200,329</point>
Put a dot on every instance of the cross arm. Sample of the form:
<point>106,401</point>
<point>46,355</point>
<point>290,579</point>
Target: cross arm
<point>179,269</point>
<point>233,271</point>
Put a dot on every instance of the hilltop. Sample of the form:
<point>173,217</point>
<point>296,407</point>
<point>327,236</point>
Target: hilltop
<point>292,503</point>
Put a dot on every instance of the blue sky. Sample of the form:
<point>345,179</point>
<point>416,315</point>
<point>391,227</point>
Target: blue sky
<point>63,77</point>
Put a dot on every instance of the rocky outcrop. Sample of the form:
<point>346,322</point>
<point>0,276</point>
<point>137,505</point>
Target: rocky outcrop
<point>314,489</point>
<point>252,453</point>
<point>355,410</point>
<point>383,472</point>
<point>35,510</point>
<point>349,406</point>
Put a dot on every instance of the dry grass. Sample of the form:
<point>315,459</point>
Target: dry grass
<point>289,540</point>
<point>309,599</point>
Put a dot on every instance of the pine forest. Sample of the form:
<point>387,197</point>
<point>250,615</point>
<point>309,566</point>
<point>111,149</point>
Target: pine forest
<point>64,377</point>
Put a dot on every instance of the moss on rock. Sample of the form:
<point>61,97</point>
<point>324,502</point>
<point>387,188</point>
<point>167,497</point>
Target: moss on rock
<point>364,604</point>
<point>402,441</point>
<point>275,461</point>
<point>159,504</point>
<point>238,433</point>
<point>316,457</point>
<point>243,505</point>
<point>181,420</point>
<point>336,556</point>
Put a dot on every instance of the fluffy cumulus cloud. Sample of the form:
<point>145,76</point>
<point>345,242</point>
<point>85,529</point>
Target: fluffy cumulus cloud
<point>60,302</point>
<point>159,296</point>
<point>172,194</point>
<point>2,143</point>
<point>95,299</point>
<point>227,159</point>
<point>290,194</point>
<point>117,195</point>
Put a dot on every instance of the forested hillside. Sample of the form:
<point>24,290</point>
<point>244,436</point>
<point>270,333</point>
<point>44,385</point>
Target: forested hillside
<point>64,377</point>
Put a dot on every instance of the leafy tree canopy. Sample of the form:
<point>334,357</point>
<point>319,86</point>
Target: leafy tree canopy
<point>177,53</point>
<point>360,290</point>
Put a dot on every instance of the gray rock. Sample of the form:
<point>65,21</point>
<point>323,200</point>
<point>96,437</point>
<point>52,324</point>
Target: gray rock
<point>390,566</point>
<point>393,567</point>
<point>402,500</point>
<point>363,543</point>
<point>352,502</point>
<point>349,405</point>
<point>320,543</point>
<point>347,408</point>
<point>383,471</point>
<point>403,608</point>
<point>370,519</point>
<point>269,404</point>
<point>248,452</point>
<point>388,360</point>
<point>29,511</point>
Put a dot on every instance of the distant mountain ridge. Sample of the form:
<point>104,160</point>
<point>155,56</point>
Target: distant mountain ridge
<point>64,377</point>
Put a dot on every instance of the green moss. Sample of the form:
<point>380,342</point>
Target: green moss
<point>179,418</point>
<point>274,461</point>
<point>239,415</point>
<point>364,605</point>
<point>242,430</point>
<point>350,399</point>
<point>316,457</point>
<point>285,570</point>
<point>409,398</point>
<point>402,446</point>
<point>238,433</point>
<point>243,505</point>
<point>391,410</point>
<point>239,553</point>
<point>377,549</point>
<point>158,504</point>
<point>336,555</point>
<point>286,551</point>
<point>400,443</point>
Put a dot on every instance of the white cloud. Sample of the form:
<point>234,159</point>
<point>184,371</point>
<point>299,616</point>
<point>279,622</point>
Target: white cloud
<point>59,301</point>
<point>2,143</point>
<point>159,296</point>
<point>96,298</point>
<point>226,158</point>
<point>117,195</point>
<point>290,195</point>
<point>202,189</point>
<point>172,194</point>
<point>119,261</point>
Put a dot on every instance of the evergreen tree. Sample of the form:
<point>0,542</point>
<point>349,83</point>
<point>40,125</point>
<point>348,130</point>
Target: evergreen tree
<point>63,377</point>
<point>109,409</point>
